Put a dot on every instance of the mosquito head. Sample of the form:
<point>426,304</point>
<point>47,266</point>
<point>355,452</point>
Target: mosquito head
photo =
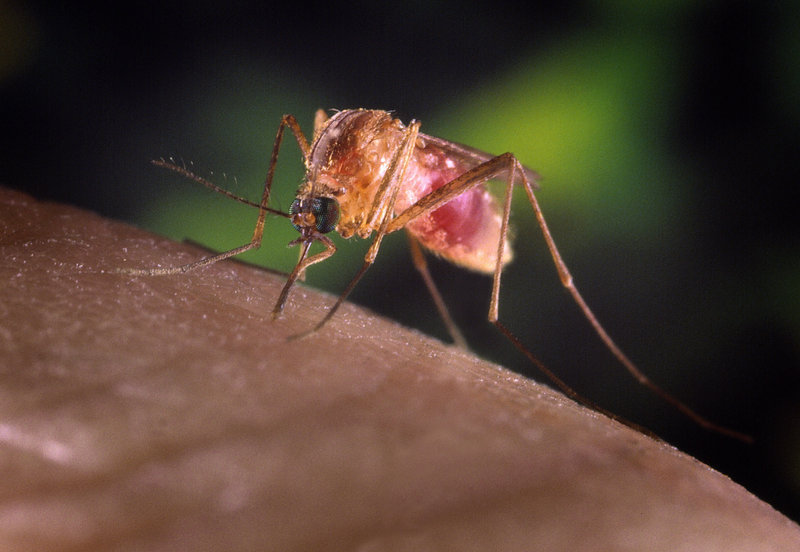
<point>317,215</point>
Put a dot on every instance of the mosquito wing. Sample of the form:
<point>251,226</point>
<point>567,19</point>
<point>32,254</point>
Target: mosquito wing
<point>472,157</point>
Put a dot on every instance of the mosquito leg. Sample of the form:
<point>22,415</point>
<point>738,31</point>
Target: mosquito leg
<point>302,264</point>
<point>568,282</point>
<point>494,302</point>
<point>493,314</point>
<point>418,257</point>
<point>368,260</point>
<point>263,209</point>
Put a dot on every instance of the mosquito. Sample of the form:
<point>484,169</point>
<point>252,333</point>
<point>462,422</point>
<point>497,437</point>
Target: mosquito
<point>368,173</point>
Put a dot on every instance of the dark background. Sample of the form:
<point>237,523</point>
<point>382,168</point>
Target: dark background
<point>667,137</point>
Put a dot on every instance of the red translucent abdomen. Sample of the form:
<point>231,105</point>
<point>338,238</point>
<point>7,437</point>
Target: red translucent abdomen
<point>466,230</point>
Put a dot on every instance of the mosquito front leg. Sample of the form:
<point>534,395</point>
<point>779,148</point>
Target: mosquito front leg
<point>302,264</point>
<point>263,209</point>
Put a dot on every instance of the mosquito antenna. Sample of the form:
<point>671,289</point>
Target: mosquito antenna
<point>183,171</point>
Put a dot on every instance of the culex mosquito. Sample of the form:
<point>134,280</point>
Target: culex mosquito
<point>367,172</point>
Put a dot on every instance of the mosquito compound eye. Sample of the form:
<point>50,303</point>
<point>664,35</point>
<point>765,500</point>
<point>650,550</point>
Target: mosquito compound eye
<point>294,210</point>
<point>321,213</point>
<point>326,213</point>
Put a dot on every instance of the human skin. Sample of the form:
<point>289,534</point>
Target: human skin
<point>173,413</point>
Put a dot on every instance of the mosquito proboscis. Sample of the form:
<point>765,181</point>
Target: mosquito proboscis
<point>368,173</point>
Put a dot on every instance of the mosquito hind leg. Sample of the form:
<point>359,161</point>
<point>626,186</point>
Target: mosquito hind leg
<point>299,270</point>
<point>569,284</point>
<point>418,258</point>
